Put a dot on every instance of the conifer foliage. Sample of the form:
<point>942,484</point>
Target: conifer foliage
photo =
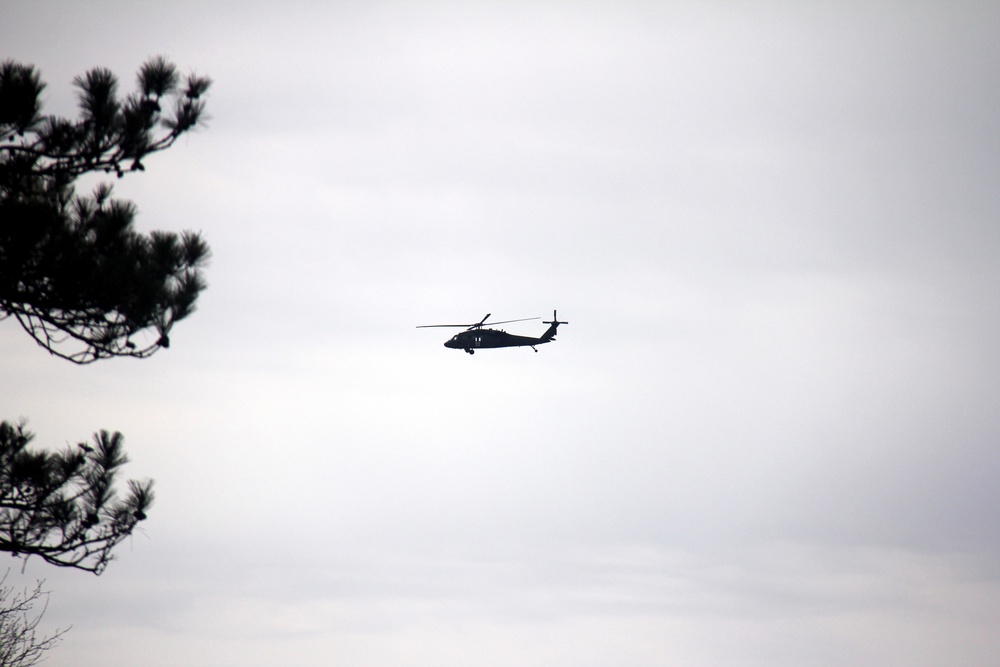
<point>86,285</point>
<point>74,271</point>
<point>62,506</point>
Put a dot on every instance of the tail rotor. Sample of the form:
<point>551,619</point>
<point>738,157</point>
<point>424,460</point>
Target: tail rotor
<point>555,320</point>
<point>550,333</point>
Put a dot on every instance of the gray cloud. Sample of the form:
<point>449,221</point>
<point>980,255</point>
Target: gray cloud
<point>766,437</point>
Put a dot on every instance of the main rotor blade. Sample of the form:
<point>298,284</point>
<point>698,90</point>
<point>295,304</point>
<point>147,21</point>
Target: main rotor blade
<point>523,319</point>
<point>480,323</point>
<point>467,326</point>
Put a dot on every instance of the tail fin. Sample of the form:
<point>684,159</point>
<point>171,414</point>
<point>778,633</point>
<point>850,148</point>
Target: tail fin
<point>550,333</point>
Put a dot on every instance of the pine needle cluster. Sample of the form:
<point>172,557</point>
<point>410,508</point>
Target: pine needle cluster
<point>74,271</point>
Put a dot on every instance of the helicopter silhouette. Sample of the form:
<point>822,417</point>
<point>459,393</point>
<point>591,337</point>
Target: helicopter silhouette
<point>475,336</point>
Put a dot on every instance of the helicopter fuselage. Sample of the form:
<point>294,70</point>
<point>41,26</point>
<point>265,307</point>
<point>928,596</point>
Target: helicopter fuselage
<point>486,338</point>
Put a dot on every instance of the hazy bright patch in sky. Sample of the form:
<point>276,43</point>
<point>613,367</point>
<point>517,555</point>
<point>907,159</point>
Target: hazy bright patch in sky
<point>767,436</point>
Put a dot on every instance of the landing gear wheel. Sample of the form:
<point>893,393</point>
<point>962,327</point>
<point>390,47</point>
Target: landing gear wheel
<point>470,351</point>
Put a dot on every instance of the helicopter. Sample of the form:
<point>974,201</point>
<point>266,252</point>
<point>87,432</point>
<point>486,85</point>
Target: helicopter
<point>475,336</point>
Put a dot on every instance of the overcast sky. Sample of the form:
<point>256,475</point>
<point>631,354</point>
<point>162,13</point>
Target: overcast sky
<point>767,436</point>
